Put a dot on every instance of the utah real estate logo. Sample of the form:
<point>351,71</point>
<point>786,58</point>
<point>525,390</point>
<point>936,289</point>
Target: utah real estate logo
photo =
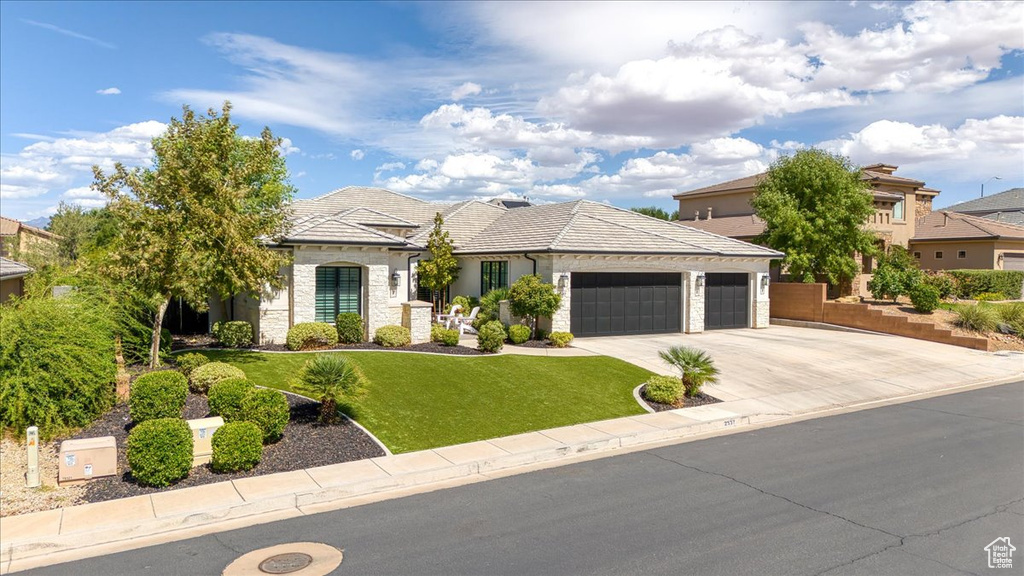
<point>1000,553</point>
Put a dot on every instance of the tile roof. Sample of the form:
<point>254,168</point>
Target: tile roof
<point>463,221</point>
<point>10,269</point>
<point>945,225</point>
<point>751,182</point>
<point>1010,217</point>
<point>10,227</point>
<point>746,226</point>
<point>335,229</point>
<point>398,205</point>
<point>1009,200</point>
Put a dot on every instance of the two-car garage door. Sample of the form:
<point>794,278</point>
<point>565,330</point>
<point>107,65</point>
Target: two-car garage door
<point>609,303</point>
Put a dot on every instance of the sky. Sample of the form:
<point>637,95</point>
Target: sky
<point>626,103</point>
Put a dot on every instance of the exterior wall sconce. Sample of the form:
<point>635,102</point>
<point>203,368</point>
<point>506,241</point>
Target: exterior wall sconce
<point>396,279</point>
<point>563,280</point>
<point>700,280</point>
<point>764,282</point>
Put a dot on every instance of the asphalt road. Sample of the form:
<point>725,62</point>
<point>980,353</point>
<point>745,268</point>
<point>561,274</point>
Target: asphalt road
<point>918,488</point>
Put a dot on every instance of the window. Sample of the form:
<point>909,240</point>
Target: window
<point>493,275</point>
<point>917,255</point>
<point>338,290</point>
<point>897,210</point>
<point>938,255</point>
<point>961,254</point>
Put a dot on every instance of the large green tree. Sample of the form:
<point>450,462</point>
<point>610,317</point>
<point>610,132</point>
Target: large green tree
<point>199,221</point>
<point>655,212</point>
<point>815,208</point>
<point>82,231</point>
<point>442,269</point>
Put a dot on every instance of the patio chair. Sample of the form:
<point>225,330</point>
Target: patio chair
<point>465,323</point>
<point>449,319</point>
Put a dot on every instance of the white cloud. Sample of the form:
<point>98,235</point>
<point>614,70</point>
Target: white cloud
<point>287,148</point>
<point>664,174</point>
<point>85,196</point>
<point>357,154</point>
<point>114,90</point>
<point>467,89</point>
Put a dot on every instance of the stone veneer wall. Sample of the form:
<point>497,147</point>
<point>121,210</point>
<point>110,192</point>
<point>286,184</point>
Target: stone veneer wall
<point>416,316</point>
<point>693,302</point>
<point>760,302</point>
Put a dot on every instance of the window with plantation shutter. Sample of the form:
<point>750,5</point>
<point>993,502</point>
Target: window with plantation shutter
<point>338,290</point>
<point>493,275</point>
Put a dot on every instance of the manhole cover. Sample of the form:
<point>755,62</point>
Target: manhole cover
<point>285,563</point>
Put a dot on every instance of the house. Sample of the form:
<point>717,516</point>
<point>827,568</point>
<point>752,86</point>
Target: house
<point>725,209</point>
<point>356,250</point>
<point>947,240</point>
<point>1007,206</point>
<point>20,238</point>
<point>12,278</point>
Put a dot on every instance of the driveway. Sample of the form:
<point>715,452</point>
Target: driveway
<point>787,363</point>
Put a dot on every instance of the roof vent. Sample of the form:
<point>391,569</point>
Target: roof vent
<point>709,212</point>
<point>945,218</point>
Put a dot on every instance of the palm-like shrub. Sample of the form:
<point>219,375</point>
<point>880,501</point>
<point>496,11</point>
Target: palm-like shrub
<point>330,378</point>
<point>695,365</point>
<point>976,317</point>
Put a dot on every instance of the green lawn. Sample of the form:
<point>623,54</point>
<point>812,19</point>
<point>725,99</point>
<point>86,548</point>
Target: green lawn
<point>419,401</point>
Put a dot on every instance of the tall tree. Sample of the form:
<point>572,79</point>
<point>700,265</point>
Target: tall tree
<point>198,222</point>
<point>81,231</point>
<point>815,208</point>
<point>442,269</point>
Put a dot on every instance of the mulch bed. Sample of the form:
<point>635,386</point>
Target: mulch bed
<point>434,347</point>
<point>305,444</point>
<point>535,344</point>
<point>701,399</point>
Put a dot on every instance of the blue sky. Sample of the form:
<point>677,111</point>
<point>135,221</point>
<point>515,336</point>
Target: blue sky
<point>619,102</point>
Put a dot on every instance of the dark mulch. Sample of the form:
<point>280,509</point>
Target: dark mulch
<point>305,444</point>
<point>424,347</point>
<point>698,400</point>
<point>535,344</point>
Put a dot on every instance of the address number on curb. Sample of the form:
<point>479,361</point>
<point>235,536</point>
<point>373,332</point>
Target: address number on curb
<point>729,423</point>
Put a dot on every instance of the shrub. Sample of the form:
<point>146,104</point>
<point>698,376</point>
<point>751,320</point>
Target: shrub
<point>970,283</point>
<point>450,337</point>
<point>160,451</point>
<point>233,334</point>
<point>190,361</point>
<point>226,397</point>
<point>976,317</point>
<point>925,298</point>
<point>540,334</point>
<point>560,339</point>
<point>1011,313</point>
<point>436,332</point>
<point>157,395</point>
<point>941,282</point>
<point>467,303</point>
<point>490,307</point>
<point>350,328</point>
<point>311,335</point>
<point>269,410</point>
<point>897,274</point>
<point>491,337</point>
<point>166,339</point>
<point>531,298</point>
<point>206,375</point>
<point>990,297</point>
<point>696,367</point>
<point>392,336</point>
<point>237,446</point>
<point>518,333</point>
<point>56,361</point>
<point>331,379</point>
<point>664,390</point>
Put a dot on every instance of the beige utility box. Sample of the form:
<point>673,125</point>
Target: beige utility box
<point>85,459</point>
<point>202,433</point>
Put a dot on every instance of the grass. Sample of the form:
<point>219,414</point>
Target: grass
<point>420,401</point>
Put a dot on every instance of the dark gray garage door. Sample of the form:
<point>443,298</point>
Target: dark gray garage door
<point>608,303</point>
<point>725,301</point>
<point>1013,261</point>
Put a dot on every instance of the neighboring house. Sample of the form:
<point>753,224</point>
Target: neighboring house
<point>12,278</point>
<point>20,238</point>
<point>1007,206</point>
<point>356,250</point>
<point>948,240</point>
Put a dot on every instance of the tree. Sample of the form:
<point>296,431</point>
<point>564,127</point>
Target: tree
<point>331,379</point>
<point>81,231</point>
<point>655,212</point>
<point>200,220</point>
<point>442,269</point>
<point>815,207</point>
<point>531,298</point>
<point>897,275</point>
<point>696,366</point>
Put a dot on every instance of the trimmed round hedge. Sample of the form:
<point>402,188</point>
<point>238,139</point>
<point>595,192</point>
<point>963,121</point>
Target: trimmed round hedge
<point>664,389</point>
<point>350,328</point>
<point>189,361</point>
<point>560,339</point>
<point>392,336</point>
<point>226,397</point>
<point>157,395</point>
<point>925,298</point>
<point>518,333</point>
<point>206,375</point>
<point>269,410</point>
<point>311,335</point>
<point>491,336</point>
<point>160,451</point>
<point>237,447</point>
<point>233,334</point>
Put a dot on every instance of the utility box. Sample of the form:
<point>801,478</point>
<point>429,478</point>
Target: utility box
<point>202,433</point>
<point>85,459</point>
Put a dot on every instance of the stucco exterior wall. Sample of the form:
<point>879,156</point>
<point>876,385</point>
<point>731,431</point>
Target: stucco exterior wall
<point>733,204</point>
<point>468,283</point>
<point>9,288</point>
<point>980,255</point>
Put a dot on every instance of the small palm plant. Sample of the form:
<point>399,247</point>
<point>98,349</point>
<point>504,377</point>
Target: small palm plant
<point>696,366</point>
<point>330,378</point>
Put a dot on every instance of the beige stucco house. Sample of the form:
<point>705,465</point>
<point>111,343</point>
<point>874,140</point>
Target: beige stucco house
<point>356,250</point>
<point>949,240</point>
<point>12,278</point>
<point>20,238</point>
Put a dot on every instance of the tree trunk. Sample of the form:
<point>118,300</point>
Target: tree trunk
<point>154,349</point>
<point>123,379</point>
<point>328,410</point>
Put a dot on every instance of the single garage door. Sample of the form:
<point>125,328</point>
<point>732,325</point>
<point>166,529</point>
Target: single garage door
<point>726,301</point>
<point>1013,261</point>
<point>608,303</point>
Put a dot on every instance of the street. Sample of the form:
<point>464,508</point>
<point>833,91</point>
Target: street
<point>916,488</point>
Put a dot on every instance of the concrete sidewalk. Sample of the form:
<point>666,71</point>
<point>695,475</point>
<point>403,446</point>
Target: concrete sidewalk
<point>54,536</point>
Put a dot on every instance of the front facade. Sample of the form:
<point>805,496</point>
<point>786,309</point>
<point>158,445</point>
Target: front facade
<point>952,241</point>
<point>618,272</point>
<point>17,238</point>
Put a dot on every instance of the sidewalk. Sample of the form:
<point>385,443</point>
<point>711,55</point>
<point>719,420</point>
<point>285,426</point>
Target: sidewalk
<point>44,538</point>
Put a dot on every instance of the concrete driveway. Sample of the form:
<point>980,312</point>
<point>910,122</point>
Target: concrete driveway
<point>788,366</point>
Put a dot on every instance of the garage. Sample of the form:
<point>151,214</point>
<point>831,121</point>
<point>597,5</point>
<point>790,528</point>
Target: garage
<point>726,301</point>
<point>1013,261</point>
<point>612,303</point>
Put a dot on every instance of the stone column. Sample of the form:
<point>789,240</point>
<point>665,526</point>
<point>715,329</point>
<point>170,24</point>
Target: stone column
<point>760,301</point>
<point>378,295</point>
<point>694,301</point>
<point>560,319</point>
<point>504,313</point>
<point>304,292</point>
<point>416,317</point>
